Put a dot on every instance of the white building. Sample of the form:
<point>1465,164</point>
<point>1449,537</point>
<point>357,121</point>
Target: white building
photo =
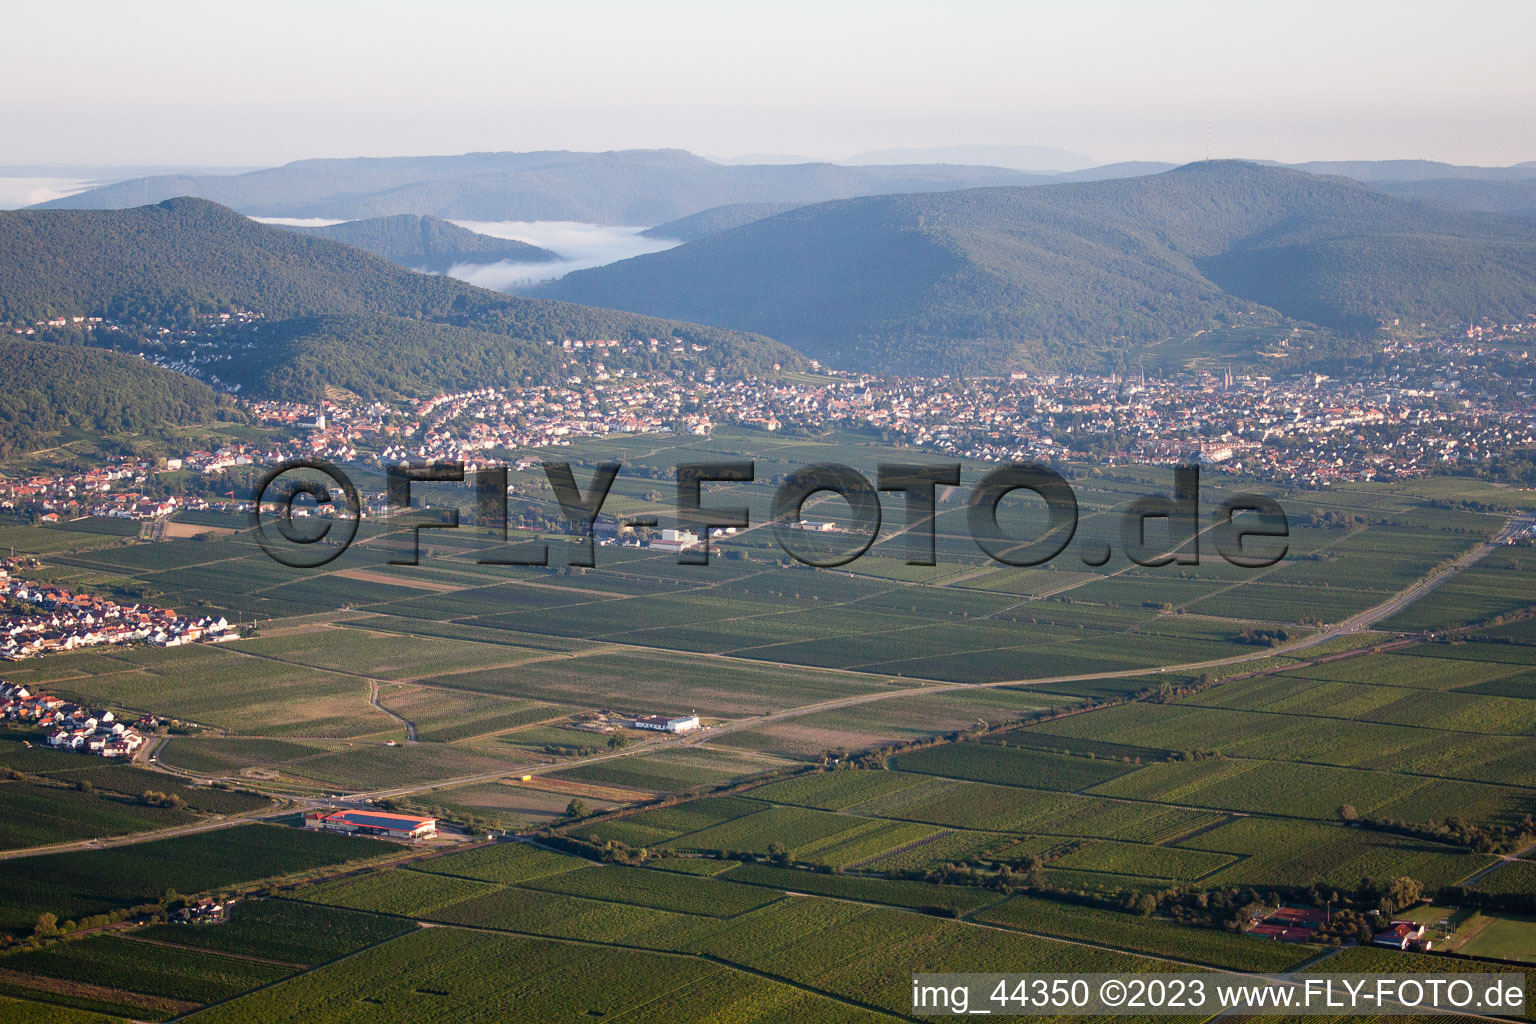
<point>661,723</point>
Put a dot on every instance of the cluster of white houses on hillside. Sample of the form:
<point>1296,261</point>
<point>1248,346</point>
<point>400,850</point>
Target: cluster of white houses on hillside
<point>65,621</point>
<point>72,727</point>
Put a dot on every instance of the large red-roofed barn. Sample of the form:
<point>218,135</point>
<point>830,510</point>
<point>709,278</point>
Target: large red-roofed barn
<point>377,823</point>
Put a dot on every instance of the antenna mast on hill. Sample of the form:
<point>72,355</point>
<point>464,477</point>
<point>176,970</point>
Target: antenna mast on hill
<point>1207,140</point>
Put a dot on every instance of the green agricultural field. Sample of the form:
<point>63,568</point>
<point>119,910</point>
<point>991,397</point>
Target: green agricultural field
<point>1498,585</point>
<point>208,755</point>
<point>1504,937</point>
<point>860,952</point>
<point>1031,739</point>
<point>701,867</point>
<point>127,780</point>
<point>631,831</point>
<point>447,716</point>
<point>835,791</point>
<point>1289,852</point>
<point>649,828</point>
<point>1156,938</point>
<point>298,933</point>
<point>1325,740</point>
<point>947,847</point>
<point>371,766</point>
<point>506,863</point>
<point>1374,960</point>
<point>907,717</point>
<point>41,815</point>
<point>74,885</point>
<point>141,967</point>
<point>1240,784</point>
<point>252,695</point>
<point>555,915</point>
<point>381,655</point>
<point>660,890</point>
<point>53,540</point>
<point>401,891</point>
<point>790,827</point>
<point>960,899</point>
<point>665,683</point>
<point>869,842</point>
<point>1422,667</point>
<point>671,770</point>
<point>1516,877</point>
<point>1302,790</point>
<point>28,1011</point>
<point>450,973</point>
<point>968,805</point>
<point>988,762</point>
<point>1163,862</point>
<point>975,805</point>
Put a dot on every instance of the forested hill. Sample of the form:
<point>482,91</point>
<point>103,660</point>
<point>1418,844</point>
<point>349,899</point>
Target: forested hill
<point>1061,275</point>
<point>182,256</point>
<point>427,243</point>
<point>186,253</point>
<point>712,221</point>
<point>49,388</point>
<point>634,186</point>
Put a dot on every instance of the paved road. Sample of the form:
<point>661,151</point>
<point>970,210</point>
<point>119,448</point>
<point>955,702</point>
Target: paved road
<point>1505,859</point>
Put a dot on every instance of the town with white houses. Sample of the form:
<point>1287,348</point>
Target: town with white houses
<point>69,726</point>
<point>1453,404</point>
<point>41,618</point>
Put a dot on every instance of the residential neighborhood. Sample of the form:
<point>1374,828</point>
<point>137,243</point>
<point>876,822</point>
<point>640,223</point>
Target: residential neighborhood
<point>1424,405</point>
<point>40,618</point>
<point>70,726</point>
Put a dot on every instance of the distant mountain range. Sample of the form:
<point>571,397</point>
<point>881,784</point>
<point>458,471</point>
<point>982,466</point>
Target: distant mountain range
<point>335,313</point>
<point>637,187</point>
<point>1080,275</point>
<point>652,187</point>
<point>1043,159</point>
<point>1067,275</point>
<point>427,243</point>
<point>1512,198</point>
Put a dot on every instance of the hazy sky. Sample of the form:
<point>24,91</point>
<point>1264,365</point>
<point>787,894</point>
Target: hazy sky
<point>261,83</point>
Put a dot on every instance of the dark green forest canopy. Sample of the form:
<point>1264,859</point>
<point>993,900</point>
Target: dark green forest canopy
<point>184,256</point>
<point>51,387</point>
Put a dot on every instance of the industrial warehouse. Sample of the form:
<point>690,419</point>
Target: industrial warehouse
<point>373,823</point>
<point>662,723</point>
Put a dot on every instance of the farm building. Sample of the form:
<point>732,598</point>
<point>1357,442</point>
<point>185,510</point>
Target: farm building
<point>375,823</point>
<point>661,723</point>
<point>202,911</point>
<point>1403,935</point>
<point>1289,924</point>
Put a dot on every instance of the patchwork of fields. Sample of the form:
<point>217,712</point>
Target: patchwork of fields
<point>777,898</point>
<point>584,939</point>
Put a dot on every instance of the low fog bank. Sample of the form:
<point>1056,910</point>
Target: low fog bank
<point>17,192</point>
<point>581,245</point>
